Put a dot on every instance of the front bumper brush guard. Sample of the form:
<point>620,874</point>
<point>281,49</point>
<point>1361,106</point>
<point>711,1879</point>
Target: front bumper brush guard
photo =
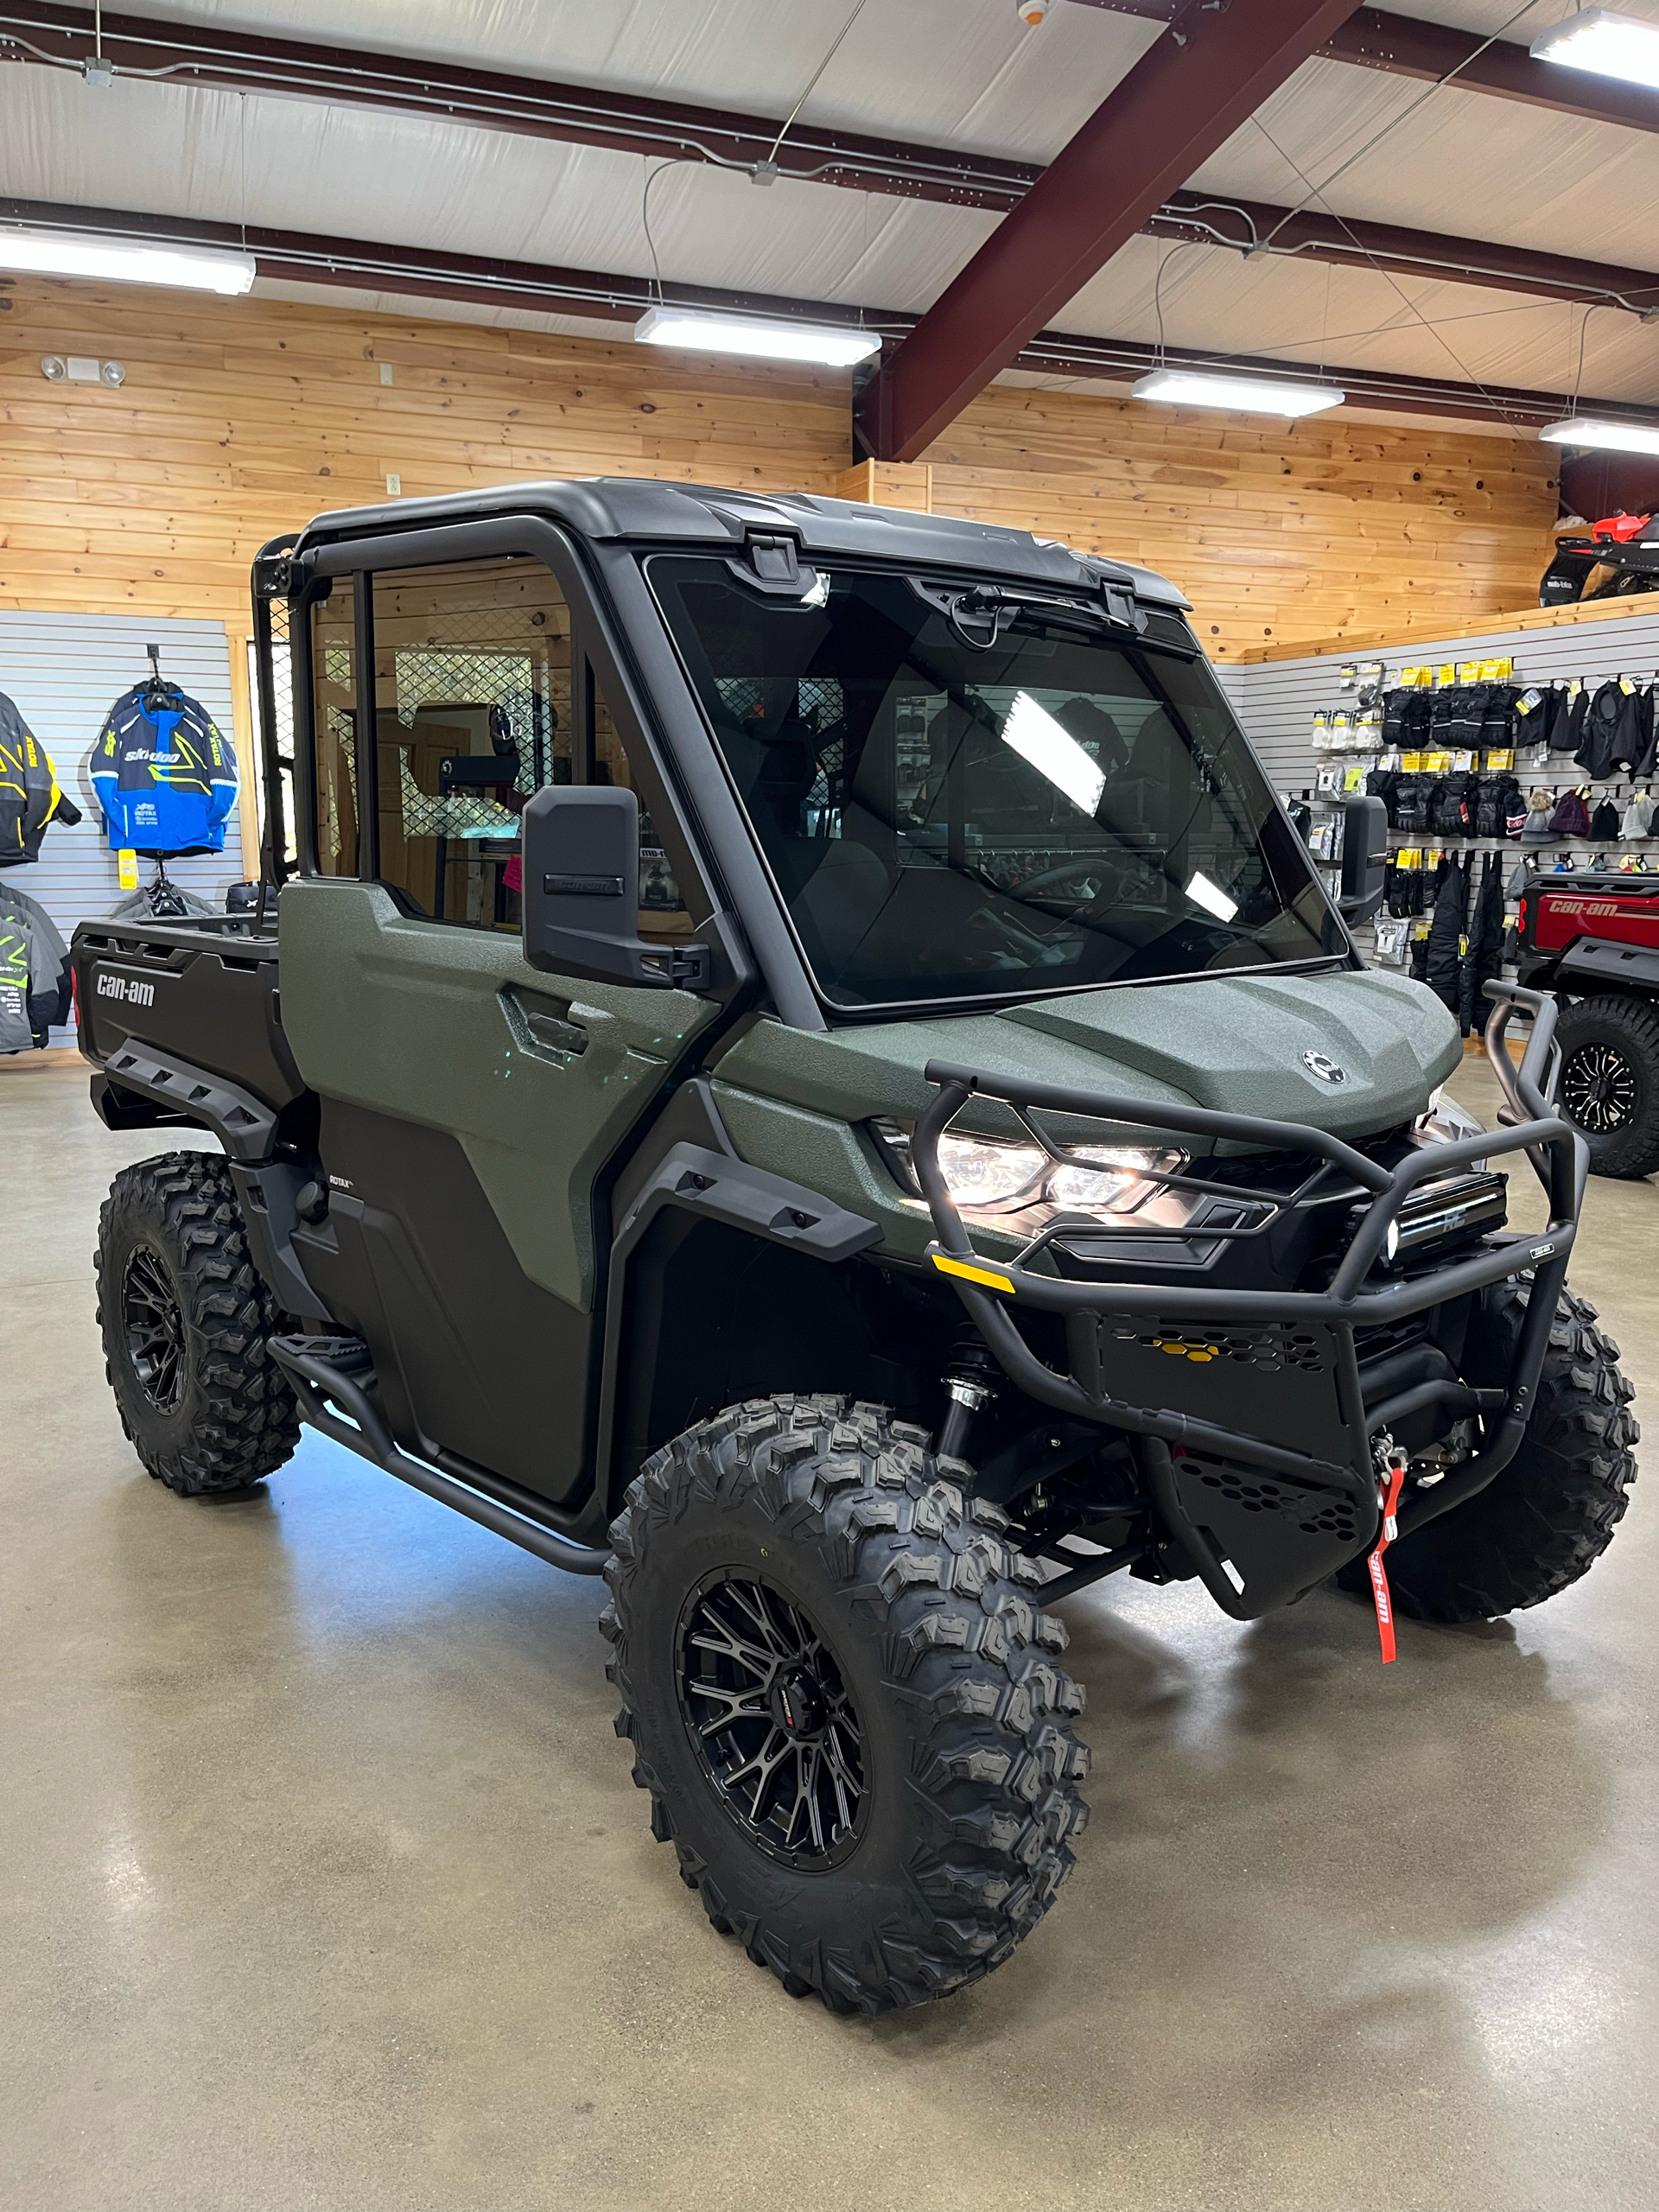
<point>990,1288</point>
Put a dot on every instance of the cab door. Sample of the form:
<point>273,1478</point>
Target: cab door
<point>470,1104</point>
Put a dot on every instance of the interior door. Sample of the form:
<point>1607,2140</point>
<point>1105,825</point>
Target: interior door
<point>470,1102</point>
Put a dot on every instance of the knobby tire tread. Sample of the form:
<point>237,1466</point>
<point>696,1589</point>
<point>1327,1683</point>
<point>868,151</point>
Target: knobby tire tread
<point>964,1648</point>
<point>242,1422</point>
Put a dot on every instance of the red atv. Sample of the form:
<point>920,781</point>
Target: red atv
<point>1620,554</point>
<point>1594,941</point>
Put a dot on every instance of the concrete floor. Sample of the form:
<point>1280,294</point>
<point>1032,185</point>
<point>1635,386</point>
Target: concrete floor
<point>324,1884</point>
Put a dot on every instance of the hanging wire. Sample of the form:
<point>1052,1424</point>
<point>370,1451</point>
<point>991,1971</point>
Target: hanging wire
<point>1317,191</point>
<point>788,121</point>
<point>1158,294</point>
<point>644,218</point>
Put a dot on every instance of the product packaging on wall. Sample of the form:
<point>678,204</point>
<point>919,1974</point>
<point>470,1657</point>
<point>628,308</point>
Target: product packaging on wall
<point>1529,750</point>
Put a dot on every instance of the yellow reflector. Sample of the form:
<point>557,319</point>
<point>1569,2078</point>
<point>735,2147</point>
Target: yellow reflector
<point>984,1277</point>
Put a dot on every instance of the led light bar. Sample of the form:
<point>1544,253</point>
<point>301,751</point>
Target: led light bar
<point>705,331</point>
<point>1604,42</point>
<point>129,261</point>
<point>1242,395</point>
<point>1605,437</point>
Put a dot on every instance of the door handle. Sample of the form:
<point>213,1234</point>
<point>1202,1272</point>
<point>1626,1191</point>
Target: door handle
<point>561,1036</point>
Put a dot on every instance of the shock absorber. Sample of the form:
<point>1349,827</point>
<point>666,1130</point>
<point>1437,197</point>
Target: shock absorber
<point>967,1386</point>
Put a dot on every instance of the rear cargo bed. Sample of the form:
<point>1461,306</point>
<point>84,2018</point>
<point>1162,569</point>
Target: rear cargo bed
<point>203,992</point>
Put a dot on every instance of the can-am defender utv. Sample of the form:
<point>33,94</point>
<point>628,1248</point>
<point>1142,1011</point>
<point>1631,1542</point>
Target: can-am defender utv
<point>811,1072</point>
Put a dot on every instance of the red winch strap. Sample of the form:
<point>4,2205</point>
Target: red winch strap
<point>1388,1499</point>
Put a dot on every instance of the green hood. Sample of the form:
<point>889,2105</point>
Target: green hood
<point>1234,1043</point>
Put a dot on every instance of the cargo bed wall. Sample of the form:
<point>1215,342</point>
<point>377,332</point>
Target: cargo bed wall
<point>65,671</point>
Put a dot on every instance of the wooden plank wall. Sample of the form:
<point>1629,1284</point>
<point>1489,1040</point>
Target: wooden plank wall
<point>1280,533</point>
<point>239,418</point>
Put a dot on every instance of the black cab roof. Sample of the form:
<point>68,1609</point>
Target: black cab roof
<point>650,511</point>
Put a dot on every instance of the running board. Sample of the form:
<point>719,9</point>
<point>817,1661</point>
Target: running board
<point>339,1369</point>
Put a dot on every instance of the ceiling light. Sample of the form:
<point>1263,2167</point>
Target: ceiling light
<point>1609,437</point>
<point>1605,42</point>
<point>1243,395</point>
<point>1211,896</point>
<point>68,253</point>
<point>705,332</point>
<point>1053,752</point>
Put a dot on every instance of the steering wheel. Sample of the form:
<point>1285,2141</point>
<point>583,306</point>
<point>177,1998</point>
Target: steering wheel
<point>1080,866</point>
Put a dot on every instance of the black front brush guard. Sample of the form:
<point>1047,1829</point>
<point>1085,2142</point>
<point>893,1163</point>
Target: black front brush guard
<point>1355,1298</point>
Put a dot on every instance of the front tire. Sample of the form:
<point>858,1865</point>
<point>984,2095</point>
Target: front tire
<point>843,1699</point>
<point>185,1318</point>
<point>1609,1087</point>
<point>1549,1516</point>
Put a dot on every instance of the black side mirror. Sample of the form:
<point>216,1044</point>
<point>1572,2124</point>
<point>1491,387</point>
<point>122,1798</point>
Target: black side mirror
<point>1364,857</point>
<point>580,859</point>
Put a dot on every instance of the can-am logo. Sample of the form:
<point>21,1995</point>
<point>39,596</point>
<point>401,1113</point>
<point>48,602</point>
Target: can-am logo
<point>131,989</point>
<point>1318,1064</point>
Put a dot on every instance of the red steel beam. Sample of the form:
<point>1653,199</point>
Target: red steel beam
<point>1310,234</point>
<point>1184,98</point>
<point>202,54</point>
<point>1404,46</point>
<point>360,265</point>
<point>42,31</point>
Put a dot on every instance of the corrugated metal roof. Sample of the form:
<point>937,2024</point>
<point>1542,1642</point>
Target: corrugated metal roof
<point>952,72</point>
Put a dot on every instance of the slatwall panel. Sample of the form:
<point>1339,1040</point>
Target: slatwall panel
<point>1275,700</point>
<point>65,671</point>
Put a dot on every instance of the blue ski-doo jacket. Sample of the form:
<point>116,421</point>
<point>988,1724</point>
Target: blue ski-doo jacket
<point>164,776</point>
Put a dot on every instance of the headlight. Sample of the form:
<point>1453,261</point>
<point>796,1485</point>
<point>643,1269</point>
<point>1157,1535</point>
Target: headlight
<point>985,1173</point>
<point>1446,1121</point>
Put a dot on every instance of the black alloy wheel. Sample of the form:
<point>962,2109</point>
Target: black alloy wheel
<point>154,1326</point>
<point>774,1728</point>
<point>1609,1087</point>
<point>185,1319</point>
<point>1599,1090</point>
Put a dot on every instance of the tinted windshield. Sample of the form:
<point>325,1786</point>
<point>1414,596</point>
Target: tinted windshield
<point>949,814</point>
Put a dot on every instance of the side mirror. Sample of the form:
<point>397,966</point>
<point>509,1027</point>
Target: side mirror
<point>580,860</point>
<point>1364,857</point>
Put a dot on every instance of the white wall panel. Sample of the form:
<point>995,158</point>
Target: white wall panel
<point>1275,699</point>
<point>65,671</point>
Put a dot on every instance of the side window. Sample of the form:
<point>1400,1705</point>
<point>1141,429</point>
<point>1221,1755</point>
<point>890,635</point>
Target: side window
<point>473,713</point>
<point>333,673</point>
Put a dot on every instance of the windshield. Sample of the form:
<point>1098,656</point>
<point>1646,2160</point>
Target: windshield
<point>960,804</point>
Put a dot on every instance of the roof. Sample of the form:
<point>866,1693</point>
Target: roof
<point>962,74</point>
<point>646,511</point>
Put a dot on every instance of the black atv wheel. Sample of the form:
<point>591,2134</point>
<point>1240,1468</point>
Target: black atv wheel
<point>185,1318</point>
<point>1550,1515</point>
<point>841,1697</point>
<point>1608,1086</point>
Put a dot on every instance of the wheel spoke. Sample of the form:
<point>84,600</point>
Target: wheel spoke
<point>765,1705</point>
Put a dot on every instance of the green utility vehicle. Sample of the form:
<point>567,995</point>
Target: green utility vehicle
<point>796,1061</point>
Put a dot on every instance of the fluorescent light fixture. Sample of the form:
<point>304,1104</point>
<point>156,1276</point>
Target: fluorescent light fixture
<point>1211,896</point>
<point>1053,752</point>
<point>1604,42</point>
<point>1605,437</point>
<point>705,331</point>
<point>129,261</point>
<point>1243,395</point>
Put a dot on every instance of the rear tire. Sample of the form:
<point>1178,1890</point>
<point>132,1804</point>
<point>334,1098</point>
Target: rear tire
<point>1608,1086</point>
<point>1549,1516</point>
<point>794,1571</point>
<point>185,1318</point>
